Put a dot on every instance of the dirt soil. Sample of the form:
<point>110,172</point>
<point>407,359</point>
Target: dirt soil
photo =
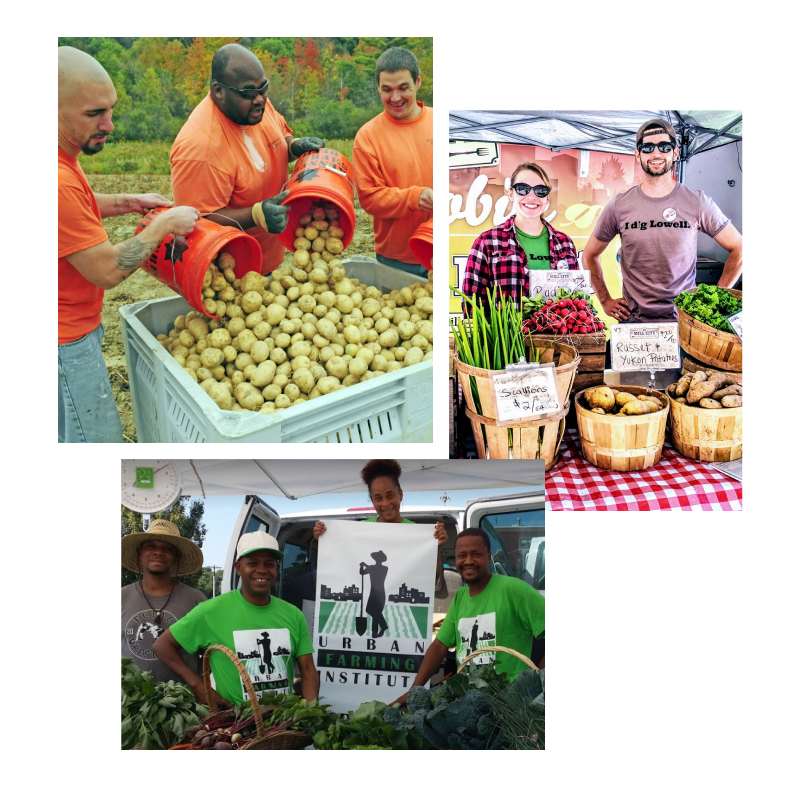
<point>143,287</point>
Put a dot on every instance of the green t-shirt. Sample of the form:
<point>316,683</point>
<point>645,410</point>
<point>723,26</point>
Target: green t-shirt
<point>375,520</point>
<point>266,639</point>
<point>536,247</point>
<point>508,612</point>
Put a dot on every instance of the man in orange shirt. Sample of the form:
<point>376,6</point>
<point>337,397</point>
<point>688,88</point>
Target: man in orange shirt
<point>234,151</point>
<point>392,155</point>
<point>88,263</point>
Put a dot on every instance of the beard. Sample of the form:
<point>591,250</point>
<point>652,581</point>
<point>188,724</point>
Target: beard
<point>90,148</point>
<point>666,168</point>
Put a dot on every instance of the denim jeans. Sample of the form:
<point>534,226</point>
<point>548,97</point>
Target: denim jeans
<point>87,412</point>
<point>410,268</point>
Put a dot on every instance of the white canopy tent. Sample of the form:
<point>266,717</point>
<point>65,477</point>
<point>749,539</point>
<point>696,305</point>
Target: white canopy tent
<point>299,478</point>
<point>611,131</point>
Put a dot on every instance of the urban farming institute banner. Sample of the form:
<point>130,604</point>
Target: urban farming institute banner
<point>373,614</point>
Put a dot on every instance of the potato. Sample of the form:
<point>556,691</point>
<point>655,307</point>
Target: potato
<point>219,338</point>
<point>413,356</point>
<point>601,397</point>
<point>732,401</point>
<point>248,396</point>
<point>733,390</point>
<point>211,357</point>
<point>638,407</point>
<point>683,385</point>
<point>328,384</point>
<point>337,367</point>
<point>251,282</point>
<point>388,338</point>
<point>622,397</point>
<point>599,410</point>
<point>700,390</point>
<point>275,313</point>
<point>708,402</point>
<point>655,400</point>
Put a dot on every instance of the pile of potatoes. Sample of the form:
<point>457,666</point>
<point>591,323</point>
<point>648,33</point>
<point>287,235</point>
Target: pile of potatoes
<point>319,235</point>
<point>713,391</point>
<point>304,331</point>
<point>605,400</point>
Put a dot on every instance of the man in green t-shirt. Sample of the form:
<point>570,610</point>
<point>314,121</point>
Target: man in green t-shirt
<point>489,610</point>
<point>266,633</point>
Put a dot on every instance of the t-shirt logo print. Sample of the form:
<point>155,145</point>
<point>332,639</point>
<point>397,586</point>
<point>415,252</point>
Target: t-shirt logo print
<point>264,653</point>
<point>141,632</point>
<point>669,214</point>
<point>476,632</point>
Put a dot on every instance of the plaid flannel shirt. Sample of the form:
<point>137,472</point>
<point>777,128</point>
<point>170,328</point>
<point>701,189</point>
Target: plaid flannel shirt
<point>498,258</point>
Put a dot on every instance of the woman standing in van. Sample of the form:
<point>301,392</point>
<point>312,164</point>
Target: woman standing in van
<point>382,478</point>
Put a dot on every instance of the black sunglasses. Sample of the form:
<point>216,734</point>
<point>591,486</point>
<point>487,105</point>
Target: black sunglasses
<point>648,147</point>
<point>523,189</point>
<point>248,93</point>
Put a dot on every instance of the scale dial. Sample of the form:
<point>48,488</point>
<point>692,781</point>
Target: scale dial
<point>150,486</point>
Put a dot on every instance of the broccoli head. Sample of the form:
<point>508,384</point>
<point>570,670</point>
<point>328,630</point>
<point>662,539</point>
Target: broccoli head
<point>419,699</point>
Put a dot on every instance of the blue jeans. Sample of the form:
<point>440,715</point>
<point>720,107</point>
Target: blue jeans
<point>410,268</point>
<point>87,412</point>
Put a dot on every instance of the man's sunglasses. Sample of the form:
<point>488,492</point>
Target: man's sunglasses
<point>248,93</point>
<point>648,147</point>
<point>523,189</point>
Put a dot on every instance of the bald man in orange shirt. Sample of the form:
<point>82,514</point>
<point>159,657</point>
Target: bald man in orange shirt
<point>392,155</point>
<point>230,160</point>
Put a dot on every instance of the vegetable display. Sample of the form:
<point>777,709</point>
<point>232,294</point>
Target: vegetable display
<point>571,313</point>
<point>711,305</point>
<point>155,715</point>
<point>713,391</point>
<point>302,332</point>
<point>611,402</point>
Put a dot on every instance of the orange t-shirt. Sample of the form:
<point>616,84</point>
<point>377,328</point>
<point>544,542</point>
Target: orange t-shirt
<point>394,162</point>
<point>79,227</point>
<point>217,163</point>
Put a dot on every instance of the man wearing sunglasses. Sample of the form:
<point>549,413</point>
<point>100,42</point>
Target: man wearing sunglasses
<point>230,160</point>
<point>658,223</point>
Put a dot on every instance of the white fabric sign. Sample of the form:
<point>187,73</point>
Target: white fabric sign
<point>373,614</point>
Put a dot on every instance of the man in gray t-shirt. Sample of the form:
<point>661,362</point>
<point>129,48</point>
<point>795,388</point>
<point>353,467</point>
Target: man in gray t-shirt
<point>658,223</point>
<point>158,600</point>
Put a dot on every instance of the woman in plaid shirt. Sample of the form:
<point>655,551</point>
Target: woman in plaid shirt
<point>504,255</point>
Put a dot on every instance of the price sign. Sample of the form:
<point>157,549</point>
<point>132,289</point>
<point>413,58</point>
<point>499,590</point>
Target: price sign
<point>736,322</point>
<point>524,392</point>
<point>548,282</point>
<point>645,346</point>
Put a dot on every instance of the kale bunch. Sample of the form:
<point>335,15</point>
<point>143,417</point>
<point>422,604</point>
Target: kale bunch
<point>711,305</point>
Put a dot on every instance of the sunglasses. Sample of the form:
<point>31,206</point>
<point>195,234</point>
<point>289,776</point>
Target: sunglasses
<point>248,93</point>
<point>523,189</point>
<point>648,147</point>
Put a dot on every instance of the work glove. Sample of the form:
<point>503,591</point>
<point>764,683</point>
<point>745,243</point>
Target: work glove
<point>270,215</point>
<point>305,144</point>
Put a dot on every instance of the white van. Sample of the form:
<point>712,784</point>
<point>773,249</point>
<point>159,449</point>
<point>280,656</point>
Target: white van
<point>515,524</point>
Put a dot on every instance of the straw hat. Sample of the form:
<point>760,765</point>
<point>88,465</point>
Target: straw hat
<point>190,557</point>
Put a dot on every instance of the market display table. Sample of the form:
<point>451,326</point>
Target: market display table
<point>675,482</point>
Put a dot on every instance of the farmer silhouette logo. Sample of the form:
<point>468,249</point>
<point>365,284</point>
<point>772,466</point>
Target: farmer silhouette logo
<point>267,655</point>
<point>475,633</point>
<point>378,595</point>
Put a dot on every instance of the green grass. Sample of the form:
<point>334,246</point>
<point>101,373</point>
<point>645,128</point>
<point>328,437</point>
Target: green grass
<point>153,158</point>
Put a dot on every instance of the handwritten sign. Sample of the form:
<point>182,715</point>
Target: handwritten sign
<point>525,394</point>
<point>736,322</point>
<point>638,346</point>
<point>548,282</point>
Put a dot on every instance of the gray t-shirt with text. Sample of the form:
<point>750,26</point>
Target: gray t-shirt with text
<point>139,628</point>
<point>659,245</point>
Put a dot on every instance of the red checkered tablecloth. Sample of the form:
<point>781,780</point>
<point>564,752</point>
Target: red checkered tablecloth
<point>675,482</point>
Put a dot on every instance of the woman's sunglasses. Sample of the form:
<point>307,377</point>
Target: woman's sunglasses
<point>648,147</point>
<point>523,189</point>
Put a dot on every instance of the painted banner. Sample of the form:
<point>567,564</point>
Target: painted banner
<point>373,615</point>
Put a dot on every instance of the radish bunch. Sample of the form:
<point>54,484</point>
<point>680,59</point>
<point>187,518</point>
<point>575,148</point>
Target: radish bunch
<point>571,314</point>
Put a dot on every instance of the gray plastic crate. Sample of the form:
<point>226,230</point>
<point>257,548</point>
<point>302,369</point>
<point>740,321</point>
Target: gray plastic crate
<point>170,407</point>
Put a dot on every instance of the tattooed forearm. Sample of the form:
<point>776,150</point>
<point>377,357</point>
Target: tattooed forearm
<point>132,253</point>
<point>122,204</point>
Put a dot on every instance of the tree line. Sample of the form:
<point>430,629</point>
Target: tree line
<point>322,86</point>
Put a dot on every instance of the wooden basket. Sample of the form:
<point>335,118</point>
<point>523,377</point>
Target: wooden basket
<point>708,435</point>
<point>531,440</point>
<point>280,740</point>
<point>690,364</point>
<point>497,648</point>
<point>622,443</point>
<point>592,356</point>
<point>719,349</point>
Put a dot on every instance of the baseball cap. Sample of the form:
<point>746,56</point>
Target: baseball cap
<point>257,540</point>
<point>668,129</point>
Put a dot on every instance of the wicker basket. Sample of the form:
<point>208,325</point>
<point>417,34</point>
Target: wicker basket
<point>497,648</point>
<point>708,435</point>
<point>280,740</point>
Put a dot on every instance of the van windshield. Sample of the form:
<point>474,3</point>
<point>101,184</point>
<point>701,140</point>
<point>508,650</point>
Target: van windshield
<point>517,544</point>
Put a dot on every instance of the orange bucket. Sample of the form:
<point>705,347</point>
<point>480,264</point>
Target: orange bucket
<point>320,175</point>
<point>422,243</point>
<point>182,265</point>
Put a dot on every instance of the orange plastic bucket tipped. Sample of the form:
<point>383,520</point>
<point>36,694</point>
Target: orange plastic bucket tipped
<point>181,263</point>
<point>320,175</point>
<point>422,243</point>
